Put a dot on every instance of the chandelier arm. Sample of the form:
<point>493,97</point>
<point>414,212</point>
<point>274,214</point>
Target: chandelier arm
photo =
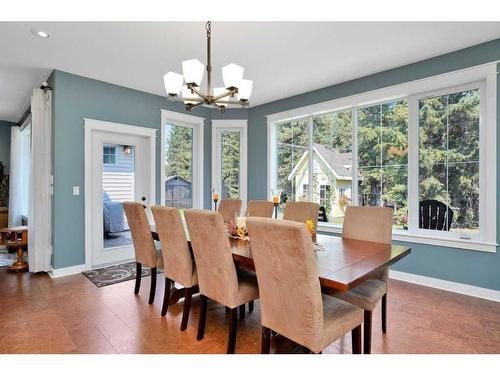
<point>180,99</point>
<point>226,94</point>
<point>191,106</point>
<point>204,97</point>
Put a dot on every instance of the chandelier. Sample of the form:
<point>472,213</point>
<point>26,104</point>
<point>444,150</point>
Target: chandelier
<point>236,90</point>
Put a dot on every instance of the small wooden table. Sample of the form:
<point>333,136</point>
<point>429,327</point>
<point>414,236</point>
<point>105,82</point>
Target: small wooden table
<point>343,264</point>
<point>10,237</point>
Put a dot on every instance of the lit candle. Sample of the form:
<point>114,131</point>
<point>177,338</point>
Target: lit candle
<point>216,196</point>
<point>276,199</point>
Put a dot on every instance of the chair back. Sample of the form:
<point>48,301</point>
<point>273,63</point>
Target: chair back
<point>301,212</point>
<point>174,246</point>
<point>434,215</point>
<point>230,209</point>
<point>368,224</point>
<point>260,209</point>
<point>214,261</point>
<point>289,288</point>
<point>144,246</point>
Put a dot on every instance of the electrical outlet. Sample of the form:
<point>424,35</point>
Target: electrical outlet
<point>76,190</point>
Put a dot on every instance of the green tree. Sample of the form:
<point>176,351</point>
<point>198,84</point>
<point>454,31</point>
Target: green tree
<point>179,152</point>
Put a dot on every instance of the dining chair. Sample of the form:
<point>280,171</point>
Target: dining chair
<point>291,302</point>
<point>218,277</point>
<point>301,212</point>
<point>230,209</point>
<point>260,209</point>
<point>368,224</point>
<point>144,245</point>
<point>177,258</point>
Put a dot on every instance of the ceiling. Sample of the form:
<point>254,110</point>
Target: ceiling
<point>282,58</point>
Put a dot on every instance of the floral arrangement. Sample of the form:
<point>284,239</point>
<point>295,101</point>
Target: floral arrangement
<point>401,219</point>
<point>310,226</point>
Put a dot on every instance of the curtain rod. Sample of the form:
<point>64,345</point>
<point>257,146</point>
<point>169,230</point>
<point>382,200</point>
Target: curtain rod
<point>45,87</point>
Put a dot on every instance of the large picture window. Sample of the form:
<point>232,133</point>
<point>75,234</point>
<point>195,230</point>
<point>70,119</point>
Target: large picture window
<point>423,154</point>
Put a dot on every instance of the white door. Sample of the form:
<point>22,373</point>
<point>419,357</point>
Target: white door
<point>121,169</point>
<point>229,159</point>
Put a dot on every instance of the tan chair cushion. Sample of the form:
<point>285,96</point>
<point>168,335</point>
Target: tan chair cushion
<point>230,209</point>
<point>176,254</point>
<point>260,209</point>
<point>301,212</point>
<point>366,295</point>
<point>144,246</point>
<point>248,288</point>
<point>339,317</point>
<point>216,271</point>
<point>290,293</point>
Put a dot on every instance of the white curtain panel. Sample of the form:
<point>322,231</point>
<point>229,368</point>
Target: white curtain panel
<point>15,177</point>
<point>40,196</point>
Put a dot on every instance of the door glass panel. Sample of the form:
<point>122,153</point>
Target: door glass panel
<point>230,165</point>
<point>178,166</point>
<point>118,186</point>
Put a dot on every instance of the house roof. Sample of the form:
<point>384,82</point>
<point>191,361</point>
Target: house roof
<point>176,179</point>
<point>335,161</point>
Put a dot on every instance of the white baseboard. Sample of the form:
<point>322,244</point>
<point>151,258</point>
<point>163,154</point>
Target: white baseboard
<point>67,271</point>
<point>470,290</point>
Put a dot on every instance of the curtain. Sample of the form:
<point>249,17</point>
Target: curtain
<point>16,177</point>
<point>40,187</point>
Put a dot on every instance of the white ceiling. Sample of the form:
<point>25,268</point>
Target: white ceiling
<point>282,58</point>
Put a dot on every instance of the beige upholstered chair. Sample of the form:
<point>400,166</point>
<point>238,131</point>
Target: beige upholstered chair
<point>177,258</point>
<point>368,224</point>
<point>144,245</point>
<point>230,209</point>
<point>260,209</point>
<point>217,275</point>
<point>291,302</point>
<point>301,212</point>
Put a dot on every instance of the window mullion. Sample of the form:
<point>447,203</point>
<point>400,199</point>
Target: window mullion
<point>354,187</point>
<point>310,193</point>
<point>412,184</point>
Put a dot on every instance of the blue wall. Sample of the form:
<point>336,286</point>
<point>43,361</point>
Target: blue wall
<point>5,144</point>
<point>75,98</point>
<point>463,266</point>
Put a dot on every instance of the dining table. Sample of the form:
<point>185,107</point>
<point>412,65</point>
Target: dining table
<point>342,263</point>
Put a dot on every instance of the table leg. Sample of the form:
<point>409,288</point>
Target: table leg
<point>20,264</point>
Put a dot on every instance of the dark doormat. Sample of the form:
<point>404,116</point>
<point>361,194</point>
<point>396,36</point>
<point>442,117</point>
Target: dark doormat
<point>115,274</point>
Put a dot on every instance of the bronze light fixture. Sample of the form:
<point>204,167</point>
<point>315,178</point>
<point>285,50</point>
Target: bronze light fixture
<point>236,90</point>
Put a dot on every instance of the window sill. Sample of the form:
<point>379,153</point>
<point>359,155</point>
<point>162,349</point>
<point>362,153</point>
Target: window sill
<point>488,247</point>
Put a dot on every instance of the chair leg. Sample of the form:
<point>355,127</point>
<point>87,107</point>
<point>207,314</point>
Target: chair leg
<point>384,313</point>
<point>203,317</point>
<point>368,332</point>
<point>242,312</point>
<point>356,340</point>
<point>166,296</point>
<point>233,323</point>
<point>152,290</point>
<point>138,277</point>
<point>227,309</point>
<point>265,346</point>
<point>187,308</point>
<point>250,306</point>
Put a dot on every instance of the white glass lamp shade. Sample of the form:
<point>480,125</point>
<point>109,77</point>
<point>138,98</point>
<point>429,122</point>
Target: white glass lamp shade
<point>245,90</point>
<point>219,91</point>
<point>232,75</point>
<point>193,71</point>
<point>187,95</point>
<point>173,83</point>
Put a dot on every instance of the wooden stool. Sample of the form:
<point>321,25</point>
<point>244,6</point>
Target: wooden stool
<point>9,237</point>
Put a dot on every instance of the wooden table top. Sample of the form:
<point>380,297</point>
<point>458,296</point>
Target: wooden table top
<point>14,229</point>
<point>343,264</point>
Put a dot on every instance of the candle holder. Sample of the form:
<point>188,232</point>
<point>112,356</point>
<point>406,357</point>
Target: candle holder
<point>215,198</point>
<point>276,193</point>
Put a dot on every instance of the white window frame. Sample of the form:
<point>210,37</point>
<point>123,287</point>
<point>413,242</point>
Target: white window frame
<point>115,155</point>
<point>218,127</point>
<point>483,77</point>
<point>197,124</point>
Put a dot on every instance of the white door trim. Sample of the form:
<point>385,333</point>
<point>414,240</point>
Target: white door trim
<point>236,125</point>
<point>91,125</point>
